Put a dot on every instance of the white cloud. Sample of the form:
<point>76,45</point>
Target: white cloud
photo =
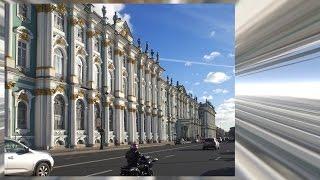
<point>204,98</point>
<point>231,55</point>
<point>190,91</point>
<point>211,56</point>
<point>225,116</point>
<point>205,92</point>
<point>188,64</point>
<point>212,33</point>
<point>196,83</point>
<point>216,77</point>
<point>218,91</point>
<point>111,8</point>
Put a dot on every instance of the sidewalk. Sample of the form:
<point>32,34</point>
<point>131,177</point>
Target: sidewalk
<point>83,150</point>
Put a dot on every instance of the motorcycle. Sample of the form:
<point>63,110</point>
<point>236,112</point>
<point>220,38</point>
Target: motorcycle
<point>144,167</point>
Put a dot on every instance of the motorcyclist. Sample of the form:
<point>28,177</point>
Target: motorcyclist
<point>133,155</point>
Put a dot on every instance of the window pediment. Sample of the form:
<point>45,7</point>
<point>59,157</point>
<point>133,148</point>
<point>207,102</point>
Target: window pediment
<point>24,33</point>
<point>60,40</point>
<point>81,51</point>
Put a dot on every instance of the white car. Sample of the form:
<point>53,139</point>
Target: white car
<point>21,160</point>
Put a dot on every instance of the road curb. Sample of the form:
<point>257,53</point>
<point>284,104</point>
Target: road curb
<point>106,149</point>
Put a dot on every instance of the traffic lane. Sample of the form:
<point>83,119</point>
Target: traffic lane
<point>113,162</point>
<point>195,162</point>
<point>74,158</point>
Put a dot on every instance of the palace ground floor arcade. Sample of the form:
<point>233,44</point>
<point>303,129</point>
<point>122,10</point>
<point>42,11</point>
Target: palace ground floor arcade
<point>48,118</point>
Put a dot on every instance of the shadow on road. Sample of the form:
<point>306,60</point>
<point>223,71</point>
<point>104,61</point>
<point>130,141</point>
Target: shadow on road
<point>193,149</point>
<point>220,172</point>
<point>182,162</point>
<point>227,153</point>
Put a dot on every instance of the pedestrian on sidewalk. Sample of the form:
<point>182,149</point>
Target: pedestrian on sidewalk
<point>102,137</point>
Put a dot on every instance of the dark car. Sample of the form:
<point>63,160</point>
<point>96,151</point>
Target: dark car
<point>180,141</point>
<point>210,143</point>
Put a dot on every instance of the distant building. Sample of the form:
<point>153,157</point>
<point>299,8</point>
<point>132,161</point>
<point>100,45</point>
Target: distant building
<point>220,132</point>
<point>207,119</point>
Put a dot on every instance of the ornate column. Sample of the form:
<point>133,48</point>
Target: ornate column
<point>154,106</point>
<point>8,108</point>
<point>73,122</point>
<point>90,44</point>
<point>141,97</point>
<point>44,133</point>
<point>118,93</point>
<point>148,102</point>
<point>8,24</point>
<point>131,97</point>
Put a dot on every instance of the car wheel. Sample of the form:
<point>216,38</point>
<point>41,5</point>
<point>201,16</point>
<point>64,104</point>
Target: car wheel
<point>42,169</point>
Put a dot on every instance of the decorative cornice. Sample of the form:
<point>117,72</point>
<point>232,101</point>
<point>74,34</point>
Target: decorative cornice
<point>24,97</point>
<point>119,52</point>
<point>132,110</point>
<point>24,36</point>
<point>106,42</point>
<point>10,85</point>
<point>131,60</point>
<point>48,91</point>
<point>44,8</point>
<point>60,8</point>
<point>90,34</point>
<point>110,66</point>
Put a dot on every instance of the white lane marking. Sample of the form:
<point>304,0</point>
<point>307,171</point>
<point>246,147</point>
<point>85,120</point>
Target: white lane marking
<point>217,158</point>
<point>169,156</point>
<point>102,172</point>
<point>118,157</point>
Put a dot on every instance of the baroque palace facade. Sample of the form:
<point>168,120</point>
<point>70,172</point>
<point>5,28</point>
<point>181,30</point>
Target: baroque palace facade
<point>70,73</point>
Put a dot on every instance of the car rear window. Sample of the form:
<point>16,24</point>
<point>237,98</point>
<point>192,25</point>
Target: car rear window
<point>209,140</point>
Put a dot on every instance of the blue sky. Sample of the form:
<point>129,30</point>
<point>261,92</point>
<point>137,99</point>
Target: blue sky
<point>191,39</point>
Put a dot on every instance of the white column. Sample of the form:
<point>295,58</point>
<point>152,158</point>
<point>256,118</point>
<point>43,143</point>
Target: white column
<point>73,122</point>
<point>8,113</point>
<point>8,23</point>
<point>91,119</point>
<point>106,123</point>
<point>142,133</point>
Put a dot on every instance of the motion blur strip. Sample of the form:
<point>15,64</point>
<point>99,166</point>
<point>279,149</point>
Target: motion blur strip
<point>290,150</point>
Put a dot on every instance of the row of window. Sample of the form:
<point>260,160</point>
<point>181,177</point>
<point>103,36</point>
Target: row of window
<point>60,113</point>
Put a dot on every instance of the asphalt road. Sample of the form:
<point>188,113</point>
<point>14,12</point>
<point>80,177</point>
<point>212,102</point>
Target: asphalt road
<point>179,160</point>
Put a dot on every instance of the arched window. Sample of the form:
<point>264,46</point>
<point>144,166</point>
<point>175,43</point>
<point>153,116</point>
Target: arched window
<point>145,122</point>
<point>80,34</point>
<point>125,119</point>
<point>22,115</point>
<point>80,70</point>
<point>109,82</point>
<point>110,52</point>
<point>97,76</point>
<point>110,119</point>
<point>80,115</point>
<point>97,44</point>
<point>58,59</point>
<point>137,121</point>
<point>97,115</point>
<point>136,91</point>
<point>124,61</point>
<point>22,53</point>
<point>59,112</point>
<point>124,87</point>
<point>59,21</point>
